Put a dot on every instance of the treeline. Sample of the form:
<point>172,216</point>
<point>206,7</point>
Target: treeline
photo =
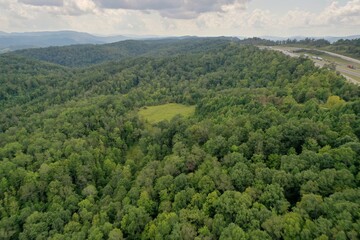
<point>86,55</point>
<point>272,151</point>
<point>311,42</point>
<point>347,47</point>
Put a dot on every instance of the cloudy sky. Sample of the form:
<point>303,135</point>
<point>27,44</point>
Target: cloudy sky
<point>184,17</point>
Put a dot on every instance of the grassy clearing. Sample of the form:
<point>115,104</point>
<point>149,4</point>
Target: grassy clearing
<point>155,114</point>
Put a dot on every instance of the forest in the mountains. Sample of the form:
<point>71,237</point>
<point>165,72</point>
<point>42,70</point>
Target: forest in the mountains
<point>271,150</point>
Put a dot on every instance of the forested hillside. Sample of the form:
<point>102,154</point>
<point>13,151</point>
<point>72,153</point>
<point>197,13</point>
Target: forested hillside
<point>85,55</point>
<point>272,150</point>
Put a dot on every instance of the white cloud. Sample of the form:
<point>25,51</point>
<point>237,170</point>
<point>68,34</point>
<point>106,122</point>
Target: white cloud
<point>79,7</point>
<point>334,19</point>
<point>42,2</point>
<point>182,17</point>
<point>237,21</point>
<point>260,18</point>
<point>179,9</point>
<point>335,14</point>
<point>296,18</point>
<point>61,7</point>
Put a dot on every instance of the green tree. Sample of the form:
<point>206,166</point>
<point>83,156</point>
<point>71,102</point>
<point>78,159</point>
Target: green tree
<point>232,232</point>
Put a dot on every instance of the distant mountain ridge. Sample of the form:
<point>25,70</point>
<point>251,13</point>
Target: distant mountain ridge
<point>24,40</point>
<point>16,41</point>
<point>83,55</point>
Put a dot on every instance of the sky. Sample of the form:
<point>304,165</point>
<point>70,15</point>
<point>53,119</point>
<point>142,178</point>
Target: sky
<point>246,18</point>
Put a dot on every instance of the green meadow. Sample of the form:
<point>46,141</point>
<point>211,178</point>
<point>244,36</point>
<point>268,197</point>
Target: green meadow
<point>155,114</point>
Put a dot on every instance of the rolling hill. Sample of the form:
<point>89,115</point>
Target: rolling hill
<point>197,138</point>
<point>86,55</point>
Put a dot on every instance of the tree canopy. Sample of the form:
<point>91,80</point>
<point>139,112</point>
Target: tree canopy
<point>272,150</point>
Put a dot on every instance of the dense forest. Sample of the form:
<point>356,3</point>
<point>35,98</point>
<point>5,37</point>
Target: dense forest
<point>271,152</point>
<point>86,55</point>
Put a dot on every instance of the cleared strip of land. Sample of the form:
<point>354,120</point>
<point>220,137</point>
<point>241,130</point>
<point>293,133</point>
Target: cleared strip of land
<point>347,66</point>
<point>155,114</point>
